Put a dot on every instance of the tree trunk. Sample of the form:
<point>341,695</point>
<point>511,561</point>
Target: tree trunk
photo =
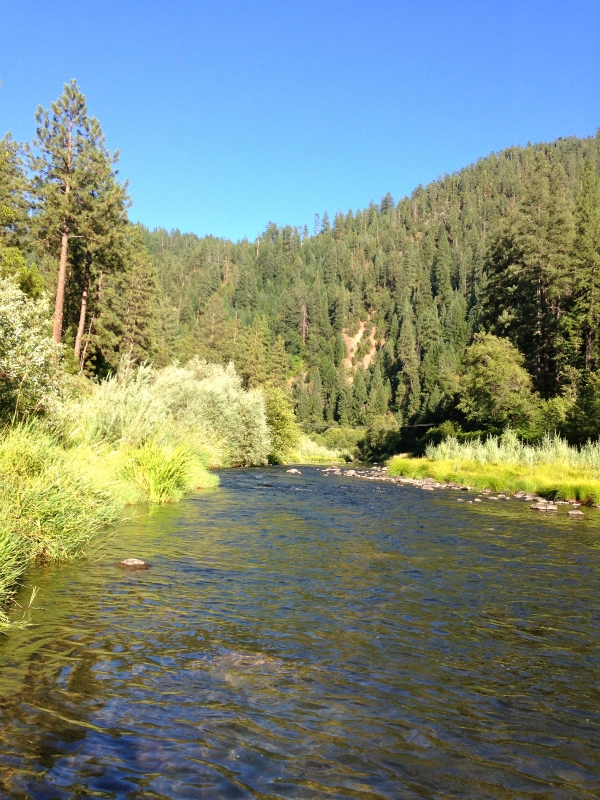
<point>60,286</point>
<point>83,310</point>
<point>93,319</point>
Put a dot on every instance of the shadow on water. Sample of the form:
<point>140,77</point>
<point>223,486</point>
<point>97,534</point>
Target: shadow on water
<point>313,637</point>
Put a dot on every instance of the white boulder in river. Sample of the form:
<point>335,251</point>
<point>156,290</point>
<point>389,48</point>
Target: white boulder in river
<point>294,471</point>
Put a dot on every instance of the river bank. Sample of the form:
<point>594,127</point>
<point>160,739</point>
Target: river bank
<point>391,474</point>
<point>550,468</point>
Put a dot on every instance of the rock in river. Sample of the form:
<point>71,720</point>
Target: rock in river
<point>133,563</point>
<point>544,507</point>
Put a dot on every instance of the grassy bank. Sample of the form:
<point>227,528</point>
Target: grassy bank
<point>552,468</point>
<point>144,436</point>
<point>55,499</point>
<point>309,451</point>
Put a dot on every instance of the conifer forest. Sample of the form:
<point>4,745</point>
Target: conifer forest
<point>473,303</point>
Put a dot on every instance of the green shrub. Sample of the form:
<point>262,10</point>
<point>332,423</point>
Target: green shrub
<point>283,430</point>
<point>201,405</point>
<point>28,356</point>
<point>164,474</point>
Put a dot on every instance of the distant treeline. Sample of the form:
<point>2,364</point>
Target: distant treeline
<point>369,318</point>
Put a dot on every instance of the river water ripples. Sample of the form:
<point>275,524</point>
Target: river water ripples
<point>303,636</point>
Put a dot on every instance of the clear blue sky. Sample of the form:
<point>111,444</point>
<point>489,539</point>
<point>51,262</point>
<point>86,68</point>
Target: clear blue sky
<point>230,114</point>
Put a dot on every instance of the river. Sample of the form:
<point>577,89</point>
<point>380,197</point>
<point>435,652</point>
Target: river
<point>313,637</point>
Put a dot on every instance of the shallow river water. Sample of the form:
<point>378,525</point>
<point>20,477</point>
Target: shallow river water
<point>313,637</point>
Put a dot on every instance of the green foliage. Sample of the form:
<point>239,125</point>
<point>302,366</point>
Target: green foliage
<point>125,326</point>
<point>508,246</point>
<point>283,430</point>
<point>551,468</point>
<point>529,282</point>
<point>495,389</point>
<point>79,207</point>
<point>201,405</point>
<point>164,474</point>
<point>340,439</point>
<point>581,420</point>
<point>585,320</point>
<point>28,375</point>
<point>310,451</point>
<point>49,509</point>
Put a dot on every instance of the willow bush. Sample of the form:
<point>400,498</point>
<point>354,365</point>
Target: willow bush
<point>202,406</point>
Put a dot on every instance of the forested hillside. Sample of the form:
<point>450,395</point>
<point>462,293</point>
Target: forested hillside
<point>372,313</point>
<point>369,319</point>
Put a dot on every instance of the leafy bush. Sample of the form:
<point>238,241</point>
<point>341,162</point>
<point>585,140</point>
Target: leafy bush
<point>495,390</point>
<point>201,405</point>
<point>28,356</point>
<point>309,451</point>
<point>340,438</point>
<point>283,430</point>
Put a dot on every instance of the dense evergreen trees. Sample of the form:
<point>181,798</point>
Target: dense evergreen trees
<point>367,321</point>
<point>377,309</point>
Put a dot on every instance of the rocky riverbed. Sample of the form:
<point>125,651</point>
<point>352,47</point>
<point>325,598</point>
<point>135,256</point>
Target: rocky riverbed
<point>377,473</point>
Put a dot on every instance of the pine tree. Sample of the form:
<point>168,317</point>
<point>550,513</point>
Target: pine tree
<point>302,399</point>
<point>359,396</point>
<point>586,264</point>
<point>344,397</point>
<point>528,272</point>
<point>408,394</point>
<point>14,221</point>
<point>13,203</point>
<point>253,354</point>
<point>278,363</point>
<point>377,402</point>
<point>71,172</point>
<point>316,399</point>
<point>124,321</point>
<point>442,266</point>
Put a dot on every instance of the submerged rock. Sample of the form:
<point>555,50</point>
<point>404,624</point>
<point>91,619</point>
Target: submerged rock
<point>544,507</point>
<point>133,563</point>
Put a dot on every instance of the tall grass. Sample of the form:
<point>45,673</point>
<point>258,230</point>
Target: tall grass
<point>509,449</point>
<point>142,436</point>
<point>49,508</point>
<point>552,468</point>
<point>164,474</point>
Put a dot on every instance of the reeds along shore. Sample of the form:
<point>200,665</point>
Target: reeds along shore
<point>55,499</point>
<point>551,469</point>
<point>144,436</point>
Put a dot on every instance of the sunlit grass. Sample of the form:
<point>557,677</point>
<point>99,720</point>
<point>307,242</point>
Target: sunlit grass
<point>551,469</point>
<point>55,500</point>
<point>309,452</point>
<point>164,474</point>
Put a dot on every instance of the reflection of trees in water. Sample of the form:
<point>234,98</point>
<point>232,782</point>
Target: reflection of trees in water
<point>46,719</point>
